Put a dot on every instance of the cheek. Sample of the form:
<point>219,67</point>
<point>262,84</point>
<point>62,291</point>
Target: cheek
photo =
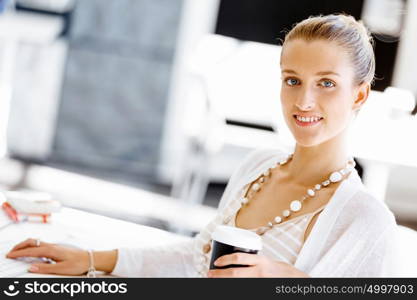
<point>338,109</point>
<point>287,98</point>
<point>335,100</point>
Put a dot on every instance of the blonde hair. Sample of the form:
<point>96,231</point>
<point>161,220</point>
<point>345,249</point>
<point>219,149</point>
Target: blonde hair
<point>352,35</point>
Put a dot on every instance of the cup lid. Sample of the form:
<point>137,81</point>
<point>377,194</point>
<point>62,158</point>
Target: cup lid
<point>237,237</point>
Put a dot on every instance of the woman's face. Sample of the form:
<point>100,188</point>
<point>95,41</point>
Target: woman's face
<point>318,93</point>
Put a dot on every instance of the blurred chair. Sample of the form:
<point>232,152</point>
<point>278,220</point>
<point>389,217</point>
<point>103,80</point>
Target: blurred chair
<point>233,103</point>
<point>401,102</point>
<point>381,137</point>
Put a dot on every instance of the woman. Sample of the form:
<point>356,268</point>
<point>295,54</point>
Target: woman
<point>310,208</point>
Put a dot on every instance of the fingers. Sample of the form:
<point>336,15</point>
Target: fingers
<point>47,268</point>
<point>27,243</point>
<point>252,260</point>
<point>42,251</point>
<point>60,268</point>
<point>232,272</point>
<point>239,259</point>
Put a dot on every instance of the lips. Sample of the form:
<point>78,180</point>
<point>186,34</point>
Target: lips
<point>304,121</point>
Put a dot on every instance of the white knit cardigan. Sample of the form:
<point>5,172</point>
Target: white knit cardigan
<point>353,236</point>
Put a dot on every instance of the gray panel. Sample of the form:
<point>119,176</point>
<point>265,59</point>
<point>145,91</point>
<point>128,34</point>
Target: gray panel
<point>116,85</point>
<point>151,23</point>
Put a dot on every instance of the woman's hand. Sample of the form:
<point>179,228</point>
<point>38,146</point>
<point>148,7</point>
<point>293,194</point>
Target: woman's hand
<point>69,261</point>
<point>258,266</point>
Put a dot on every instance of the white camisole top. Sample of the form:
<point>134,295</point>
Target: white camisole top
<point>284,241</point>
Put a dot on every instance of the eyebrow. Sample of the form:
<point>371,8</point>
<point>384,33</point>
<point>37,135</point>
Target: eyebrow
<point>318,73</point>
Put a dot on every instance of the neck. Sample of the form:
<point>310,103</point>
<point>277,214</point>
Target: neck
<point>312,165</point>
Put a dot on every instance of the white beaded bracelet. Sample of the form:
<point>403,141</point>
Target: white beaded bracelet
<point>91,270</point>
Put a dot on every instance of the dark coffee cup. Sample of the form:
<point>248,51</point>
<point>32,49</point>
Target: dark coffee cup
<point>228,240</point>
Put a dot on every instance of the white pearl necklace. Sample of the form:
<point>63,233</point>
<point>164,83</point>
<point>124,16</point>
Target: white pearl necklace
<point>295,205</point>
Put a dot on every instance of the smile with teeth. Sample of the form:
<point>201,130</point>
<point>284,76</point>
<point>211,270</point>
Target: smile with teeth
<point>307,120</point>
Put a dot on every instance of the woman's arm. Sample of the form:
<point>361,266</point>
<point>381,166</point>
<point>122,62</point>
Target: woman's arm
<point>170,260</point>
<point>105,260</point>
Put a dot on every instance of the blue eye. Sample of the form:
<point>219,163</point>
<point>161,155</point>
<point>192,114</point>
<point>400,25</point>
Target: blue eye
<point>291,81</point>
<point>327,84</point>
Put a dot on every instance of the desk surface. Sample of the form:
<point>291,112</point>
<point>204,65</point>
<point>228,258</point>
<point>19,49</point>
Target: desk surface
<point>87,230</point>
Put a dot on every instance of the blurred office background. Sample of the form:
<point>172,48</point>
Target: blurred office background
<point>142,109</point>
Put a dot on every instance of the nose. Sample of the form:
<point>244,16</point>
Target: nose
<point>305,101</point>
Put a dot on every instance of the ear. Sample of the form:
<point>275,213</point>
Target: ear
<point>361,96</point>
